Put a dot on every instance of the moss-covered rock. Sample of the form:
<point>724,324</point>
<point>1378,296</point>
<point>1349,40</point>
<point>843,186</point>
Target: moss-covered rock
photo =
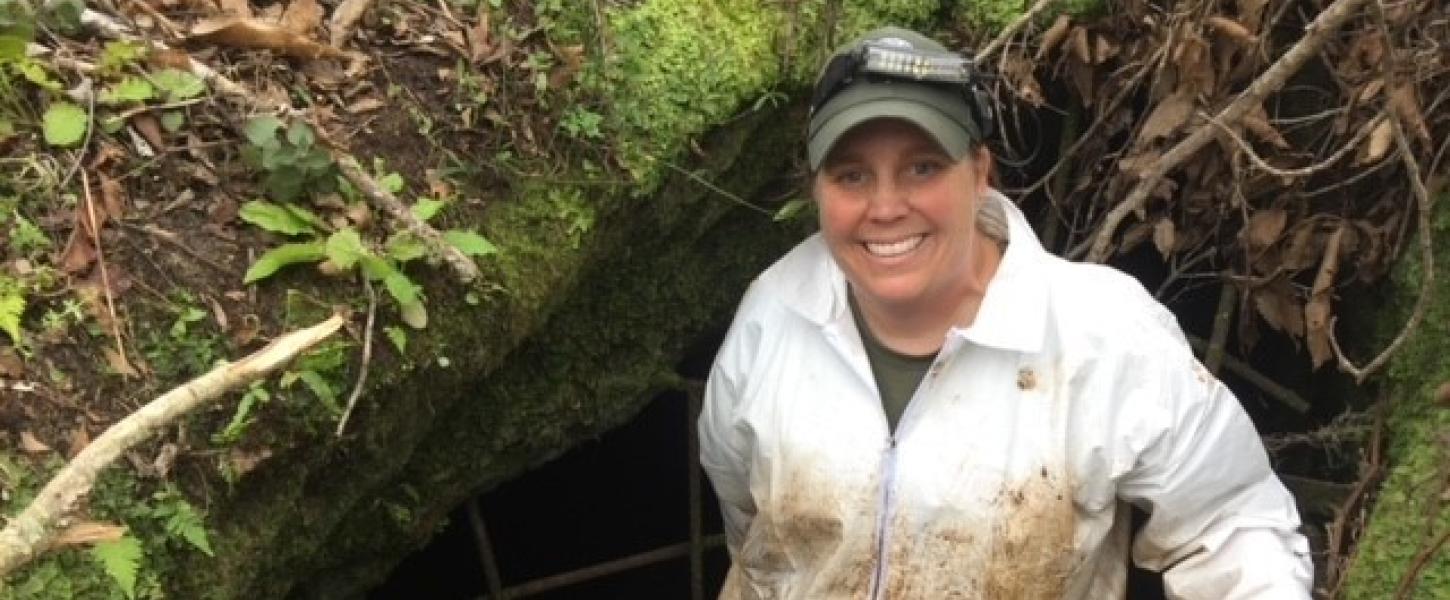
<point>1410,509</point>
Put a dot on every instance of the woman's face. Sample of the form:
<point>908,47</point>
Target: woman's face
<point>899,215</point>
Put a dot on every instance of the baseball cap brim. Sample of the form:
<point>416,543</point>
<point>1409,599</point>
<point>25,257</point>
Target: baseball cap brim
<point>879,101</point>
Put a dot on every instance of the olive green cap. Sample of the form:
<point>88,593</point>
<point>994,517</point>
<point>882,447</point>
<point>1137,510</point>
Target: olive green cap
<point>940,111</point>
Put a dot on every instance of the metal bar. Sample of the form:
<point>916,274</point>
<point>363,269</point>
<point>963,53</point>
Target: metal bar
<point>694,392</point>
<point>604,569</point>
<point>485,550</point>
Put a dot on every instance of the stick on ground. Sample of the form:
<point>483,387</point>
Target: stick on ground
<point>33,531</point>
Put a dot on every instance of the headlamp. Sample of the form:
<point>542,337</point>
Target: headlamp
<point>878,61</point>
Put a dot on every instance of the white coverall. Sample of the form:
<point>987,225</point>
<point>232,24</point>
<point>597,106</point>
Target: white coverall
<point>1072,394</point>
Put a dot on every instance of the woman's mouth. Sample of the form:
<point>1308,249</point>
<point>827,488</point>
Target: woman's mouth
<point>894,248</point>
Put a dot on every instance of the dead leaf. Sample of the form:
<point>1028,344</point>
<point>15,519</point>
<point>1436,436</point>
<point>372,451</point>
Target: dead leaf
<point>1054,35</point>
<point>89,532</point>
<point>1278,306</point>
<point>1082,75</point>
<point>11,366</point>
<point>1251,13</point>
<point>1232,29</point>
<point>32,445</point>
<point>113,197</point>
<point>1380,139</point>
<point>1166,119</point>
<point>1104,49</point>
<point>244,461</point>
<point>571,60</point>
<point>1081,46</point>
<point>119,364</point>
<point>238,8</point>
<point>252,33</point>
<point>1370,90</point>
<point>302,17</point>
<point>165,459</point>
<point>1257,122</point>
<point>479,44</point>
<point>1264,227</point>
<point>150,130</point>
<point>79,439</point>
<point>1163,236</point>
<point>1317,312</point>
<point>1406,103</point>
<point>247,330</point>
<point>79,253</point>
<point>345,18</point>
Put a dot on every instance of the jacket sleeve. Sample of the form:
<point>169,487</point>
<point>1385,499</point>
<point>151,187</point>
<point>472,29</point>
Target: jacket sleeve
<point>1221,524</point>
<point>724,441</point>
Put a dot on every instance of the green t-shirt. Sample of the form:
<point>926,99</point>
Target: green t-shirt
<point>897,375</point>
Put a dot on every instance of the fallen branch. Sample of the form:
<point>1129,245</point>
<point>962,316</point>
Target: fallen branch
<point>34,529</point>
<point>1271,80</point>
<point>464,267</point>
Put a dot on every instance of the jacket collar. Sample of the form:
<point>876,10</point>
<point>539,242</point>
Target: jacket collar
<point>1013,314</point>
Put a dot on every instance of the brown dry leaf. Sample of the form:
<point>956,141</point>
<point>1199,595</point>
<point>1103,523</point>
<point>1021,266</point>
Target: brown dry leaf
<point>32,445</point>
<point>1104,49</point>
<point>1167,118</point>
<point>252,33</point>
<point>479,44</point>
<point>150,130</point>
<point>1232,29</point>
<point>1317,312</point>
<point>11,366</point>
<point>1406,103</point>
<point>119,364</point>
<point>1081,47</point>
<point>113,197</point>
<point>79,253</point>
<point>1257,122</point>
<point>1082,79</point>
<point>1380,139</point>
<point>1277,305</point>
<point>237,8</point>
<point>1264,227</point>
<point>344,18</point>
<point>1370,90</point>
<point>302,17</point>
<point>89,532</point>
<point>245,461</point>
<point>571,60</point>
<point>1054,35</point>
<point>1164,237</point>
<point>1136,234</point>
<point>1251,13</point>
<point>79,439</point>
<point>360,215</point>
<point>1195,65</point>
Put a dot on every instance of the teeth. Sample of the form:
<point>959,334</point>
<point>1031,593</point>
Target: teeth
<point>895,248</point>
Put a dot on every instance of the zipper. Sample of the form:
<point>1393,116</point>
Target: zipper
<point>888,476</point>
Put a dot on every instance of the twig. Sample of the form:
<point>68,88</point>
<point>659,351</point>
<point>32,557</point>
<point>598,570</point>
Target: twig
<point>1011,30</point>
<point>367,356</point>
<point>90,126</point>
<point>1273,389</point>
<point>1272,79</point>
<point>170,238</point>
<point>345,18</point>
<point>463,266</point>
<point>1292,173</point>
<point>94,228</point>
<point>714,188</point>
<point>1412,577</point>
<point>1222,318</point>
<point>34,529</point>
<point>1427,265</point>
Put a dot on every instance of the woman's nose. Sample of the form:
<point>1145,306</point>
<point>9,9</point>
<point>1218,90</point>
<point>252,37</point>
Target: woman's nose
<point>888,200</point>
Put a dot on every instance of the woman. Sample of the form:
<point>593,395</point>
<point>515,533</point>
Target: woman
<point>920,402</point>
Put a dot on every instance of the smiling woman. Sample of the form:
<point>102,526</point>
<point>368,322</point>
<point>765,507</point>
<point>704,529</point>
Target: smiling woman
<point>921,402</point>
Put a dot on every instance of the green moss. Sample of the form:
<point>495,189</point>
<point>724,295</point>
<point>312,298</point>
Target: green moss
<point>993,15</point>
<point>1408,510</point>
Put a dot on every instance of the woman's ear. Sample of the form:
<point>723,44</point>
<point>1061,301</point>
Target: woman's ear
<point>985,169</point>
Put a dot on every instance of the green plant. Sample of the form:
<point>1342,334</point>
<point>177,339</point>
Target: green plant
<point>121,559</point>
<point>582,123</point>
<point>293,164</point>
<point>183,349</point>
<point>12,305</point>
<point>255,396</point>
<point>180,519</point>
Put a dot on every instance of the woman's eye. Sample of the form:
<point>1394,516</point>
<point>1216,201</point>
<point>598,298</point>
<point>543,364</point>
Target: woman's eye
<point>850,176</point>
<point>925,168</point>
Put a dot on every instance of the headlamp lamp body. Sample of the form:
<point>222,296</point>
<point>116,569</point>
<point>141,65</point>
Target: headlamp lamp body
<point>883,61</point>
